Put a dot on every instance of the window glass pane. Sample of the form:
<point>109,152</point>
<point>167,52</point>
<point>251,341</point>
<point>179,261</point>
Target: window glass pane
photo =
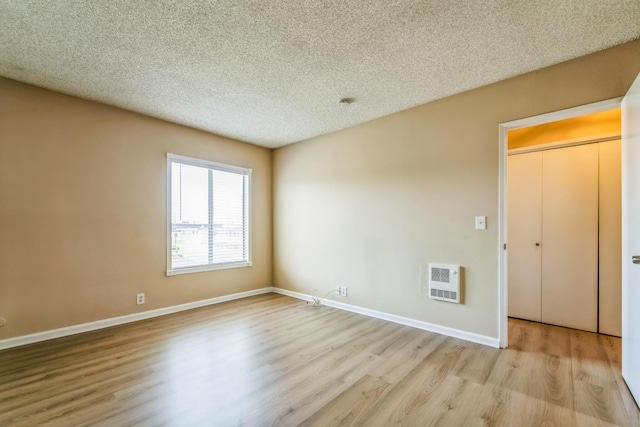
<point>228,216</point>
<point>190,215</point>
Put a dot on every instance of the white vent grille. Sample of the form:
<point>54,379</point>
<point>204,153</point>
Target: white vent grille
<point>440,274</point>
<point>444,282</point>
<point>440,294</point>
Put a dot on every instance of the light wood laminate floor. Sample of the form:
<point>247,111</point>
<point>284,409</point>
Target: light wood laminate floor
<point>273,360</point>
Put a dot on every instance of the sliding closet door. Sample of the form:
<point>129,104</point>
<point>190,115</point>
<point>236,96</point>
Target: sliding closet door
<point>610,288</point>
<point>524,182</point>
<point>570,237</point>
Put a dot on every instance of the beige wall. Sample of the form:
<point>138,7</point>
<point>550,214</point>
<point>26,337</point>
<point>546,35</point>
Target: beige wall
<point>368,207</point>
<point>83,211</point>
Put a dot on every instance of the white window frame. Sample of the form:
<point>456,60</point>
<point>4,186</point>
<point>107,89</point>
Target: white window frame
<point>174,158</point>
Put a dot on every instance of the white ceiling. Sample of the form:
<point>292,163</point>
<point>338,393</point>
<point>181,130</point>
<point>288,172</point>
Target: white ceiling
<point>272,72</point>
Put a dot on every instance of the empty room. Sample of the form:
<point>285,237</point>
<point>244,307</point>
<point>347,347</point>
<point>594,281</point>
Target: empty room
<point>243,213</point>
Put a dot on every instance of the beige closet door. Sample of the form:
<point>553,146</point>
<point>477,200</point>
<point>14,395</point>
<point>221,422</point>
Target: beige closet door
<point>610,288</point>
<point>524,180</point>
<point>570,237</point>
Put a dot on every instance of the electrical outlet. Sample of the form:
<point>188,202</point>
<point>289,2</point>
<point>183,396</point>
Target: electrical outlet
<point>140,299</point>
<point>343,291</point>
<point>337,290</point>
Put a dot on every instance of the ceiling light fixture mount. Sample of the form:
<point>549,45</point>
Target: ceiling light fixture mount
<point>345,102</point>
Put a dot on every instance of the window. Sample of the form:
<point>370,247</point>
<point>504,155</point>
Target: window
<point>208,215</point>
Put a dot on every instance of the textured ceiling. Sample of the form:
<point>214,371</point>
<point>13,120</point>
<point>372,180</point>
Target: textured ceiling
<point>272,72</point>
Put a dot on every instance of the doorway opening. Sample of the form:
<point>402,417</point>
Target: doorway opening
<point>551,131</point>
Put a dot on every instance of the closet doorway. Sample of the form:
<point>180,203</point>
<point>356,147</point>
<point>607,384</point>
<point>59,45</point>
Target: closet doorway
<point>563,193</point>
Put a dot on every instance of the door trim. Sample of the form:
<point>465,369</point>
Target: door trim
<point>503,128</point>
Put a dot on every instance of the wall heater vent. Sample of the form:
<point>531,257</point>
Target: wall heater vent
<point>444,282</point>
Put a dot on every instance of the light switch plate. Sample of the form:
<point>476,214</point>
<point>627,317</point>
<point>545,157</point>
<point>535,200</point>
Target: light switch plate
<point>481,223</point>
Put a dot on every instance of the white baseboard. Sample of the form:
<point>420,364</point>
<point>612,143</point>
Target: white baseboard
<point>451,332</point>
<point>101,324</point>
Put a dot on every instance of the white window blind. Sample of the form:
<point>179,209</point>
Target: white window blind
<point>208,215</point>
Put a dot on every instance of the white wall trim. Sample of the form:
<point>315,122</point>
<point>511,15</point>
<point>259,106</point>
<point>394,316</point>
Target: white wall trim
<point>114,321</point>
<point>503,128</point>
<point>503,326</point>
<point>419,324</point>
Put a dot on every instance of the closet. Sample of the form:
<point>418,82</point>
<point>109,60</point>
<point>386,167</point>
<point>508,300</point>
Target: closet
<point>563,214</point>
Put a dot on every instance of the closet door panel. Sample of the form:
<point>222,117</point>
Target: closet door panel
<point>610,288</point>
<point>524,231</point>
<point>570,237</point>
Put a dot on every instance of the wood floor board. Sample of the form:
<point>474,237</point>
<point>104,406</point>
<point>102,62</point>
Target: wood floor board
<point>273,360</point>
<point>351,405</point>
<point>502,402</point>
<point>402,362</point>
<point>412,394</point>
<point>545,369</point>
<point>539,338</point>
<point>311,395</point>
<point>596,390</point>
<point>476,365</point>
<point>613,348</point>
<point>590,361</point>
